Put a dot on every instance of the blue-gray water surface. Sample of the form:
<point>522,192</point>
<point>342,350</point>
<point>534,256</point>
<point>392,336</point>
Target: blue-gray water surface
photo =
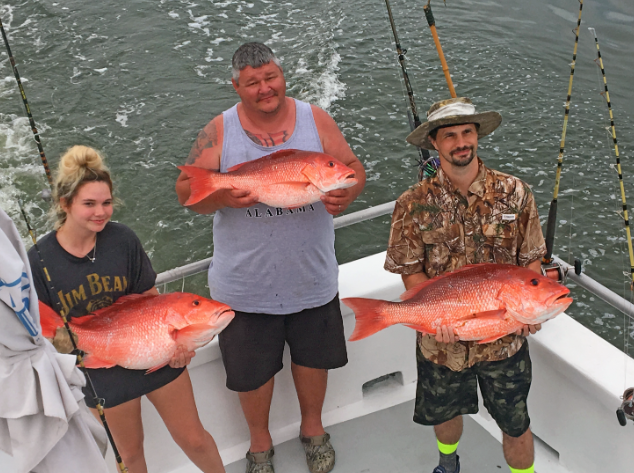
<point>139,79</point>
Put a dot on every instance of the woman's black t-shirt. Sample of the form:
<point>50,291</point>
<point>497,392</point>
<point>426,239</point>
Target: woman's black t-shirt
<point>79,286</point>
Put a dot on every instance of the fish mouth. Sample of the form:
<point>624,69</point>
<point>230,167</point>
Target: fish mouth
<point>560,298</point>
<point>348,180</point>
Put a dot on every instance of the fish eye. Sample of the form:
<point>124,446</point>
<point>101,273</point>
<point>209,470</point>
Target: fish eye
<point>534,282</point>
<point>196,302</point>
<point>331,164</point>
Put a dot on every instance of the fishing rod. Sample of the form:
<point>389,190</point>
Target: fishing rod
<point>432,26</point>
<point>49,177</point>
<point>618,158</point>
<point>76,350</point>
<point>36,134</point>
<point>548,264</point>
<point>626,410</point>
<point>425,160</point>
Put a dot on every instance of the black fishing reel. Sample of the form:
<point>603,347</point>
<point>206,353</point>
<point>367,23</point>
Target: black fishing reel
<point>626,411</point>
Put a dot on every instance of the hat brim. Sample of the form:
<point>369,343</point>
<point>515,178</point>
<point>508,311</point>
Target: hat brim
<point>488,122</point>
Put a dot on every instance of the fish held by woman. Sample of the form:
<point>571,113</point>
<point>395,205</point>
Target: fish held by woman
<point>481,302</point>
<point>143,331</point>
<point>287,178</point>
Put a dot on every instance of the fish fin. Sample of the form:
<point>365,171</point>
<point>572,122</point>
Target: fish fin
<point>116,306</point>
<point>311,174</point>
<point>283,153</point>
<point>194,336</point>
<point>420,328</point>
<point>156,368</point>
<point>368,315</point>
<point>83,319</point>
<point>200,184</point>
<point>93,362</point>
<point>49,320</point>
<point>492,339</point>
<point>416,289</point>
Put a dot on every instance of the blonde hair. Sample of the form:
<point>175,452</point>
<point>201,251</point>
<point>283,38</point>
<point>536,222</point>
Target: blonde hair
<point>77,166</point>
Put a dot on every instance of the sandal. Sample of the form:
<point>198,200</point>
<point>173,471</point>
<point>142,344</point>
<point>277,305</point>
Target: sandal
<point>260,462</point>
<point>320,456</point>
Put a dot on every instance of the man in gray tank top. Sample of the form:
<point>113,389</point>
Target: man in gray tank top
<point>275,267</point>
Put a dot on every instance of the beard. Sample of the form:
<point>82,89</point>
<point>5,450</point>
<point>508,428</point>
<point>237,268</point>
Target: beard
<point>461,161</point>
<point>275,110</point>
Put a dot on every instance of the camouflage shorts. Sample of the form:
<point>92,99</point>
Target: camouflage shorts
<point>443,394</point>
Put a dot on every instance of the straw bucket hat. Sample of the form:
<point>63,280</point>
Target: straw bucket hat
<point>458,111</point>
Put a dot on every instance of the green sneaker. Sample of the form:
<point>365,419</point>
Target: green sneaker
<point>320,456</point>
<point>260,462</point>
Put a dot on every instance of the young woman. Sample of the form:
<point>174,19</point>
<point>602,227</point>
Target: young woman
<point>92,262</point>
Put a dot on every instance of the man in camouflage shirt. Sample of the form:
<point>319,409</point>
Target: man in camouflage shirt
<point>467,214</point>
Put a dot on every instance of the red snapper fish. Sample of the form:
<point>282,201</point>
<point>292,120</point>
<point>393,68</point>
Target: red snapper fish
<point>142,331</point>
<point>287,178</point>
<point>482,302</point>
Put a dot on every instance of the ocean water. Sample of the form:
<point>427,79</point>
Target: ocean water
<point>139,79</point>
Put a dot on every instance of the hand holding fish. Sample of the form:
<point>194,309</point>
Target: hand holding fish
<point>337,201</point>
<point>181,357</point>
<point>235,198</point>
<point>446,334</point>
<point>529,330</point>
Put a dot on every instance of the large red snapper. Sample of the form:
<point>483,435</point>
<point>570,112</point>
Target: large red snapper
<point>287,178</point>
<point>142,331</point>
<point>482,302</point>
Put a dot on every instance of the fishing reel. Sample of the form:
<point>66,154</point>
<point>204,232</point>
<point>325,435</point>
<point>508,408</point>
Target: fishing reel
<point>555,271</point>
<point>626,411</point>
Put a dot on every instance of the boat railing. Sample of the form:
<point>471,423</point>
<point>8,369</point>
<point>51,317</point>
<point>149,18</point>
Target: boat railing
<point>582,280</point>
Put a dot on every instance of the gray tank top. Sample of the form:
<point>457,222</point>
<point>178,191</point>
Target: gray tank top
<point>266,259</point>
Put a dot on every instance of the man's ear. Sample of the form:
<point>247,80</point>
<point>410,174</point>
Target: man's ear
<point>234,84</point>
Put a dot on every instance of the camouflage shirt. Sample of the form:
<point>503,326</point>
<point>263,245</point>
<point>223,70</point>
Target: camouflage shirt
<point>435,229</point>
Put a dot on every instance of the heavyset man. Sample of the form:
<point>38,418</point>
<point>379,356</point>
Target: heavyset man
<point>276,268</point>
<point>467,213</point>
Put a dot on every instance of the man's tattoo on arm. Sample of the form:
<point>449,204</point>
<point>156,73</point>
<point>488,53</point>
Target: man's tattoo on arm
<point>269,139</point>
<point>207,138</point>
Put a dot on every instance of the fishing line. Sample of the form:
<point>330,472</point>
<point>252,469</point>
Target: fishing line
<point>611,132</point>
<point>618,158</point>
<point>432,26</point>
<point>76,351</point>
<point>552,213</point>
<point>424,158</point>
<point>36,134</point>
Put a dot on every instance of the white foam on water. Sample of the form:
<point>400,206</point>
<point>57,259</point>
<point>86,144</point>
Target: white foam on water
<point>325,86</point>
<point>565,14</point>
<point>616,16</point>
<point>7,17</point>
<point>127,110</point>
<point>217,41</point>
<point>20,162</point>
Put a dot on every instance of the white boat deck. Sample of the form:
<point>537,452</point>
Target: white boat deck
<point>389,441</point>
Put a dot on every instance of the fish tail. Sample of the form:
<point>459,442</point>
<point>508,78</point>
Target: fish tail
<point>369,316</point>
<point>49,320</point>
<point>200,184</point>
